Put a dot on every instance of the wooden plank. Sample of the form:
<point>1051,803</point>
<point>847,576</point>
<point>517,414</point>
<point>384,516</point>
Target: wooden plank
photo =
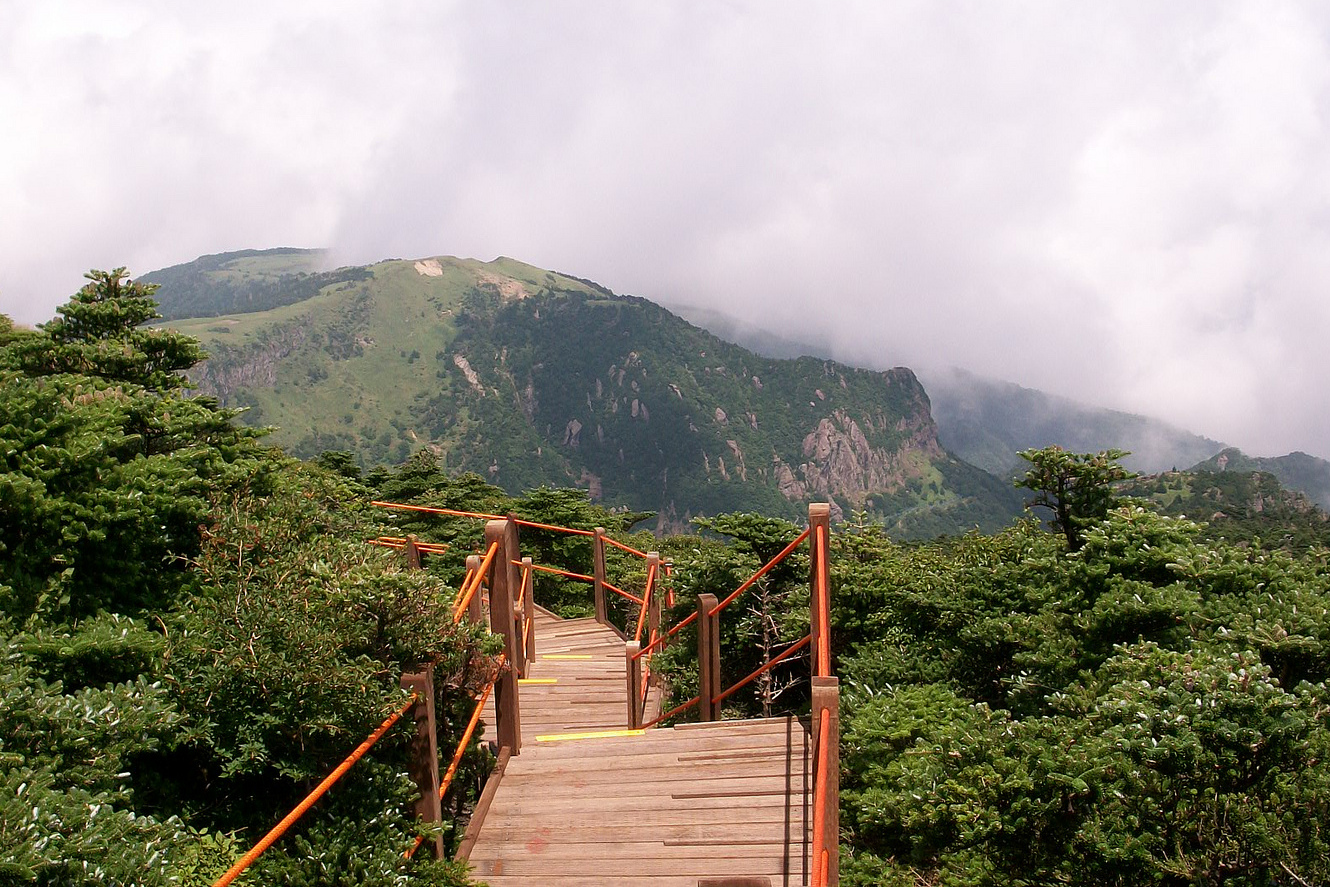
<point>483,804</point>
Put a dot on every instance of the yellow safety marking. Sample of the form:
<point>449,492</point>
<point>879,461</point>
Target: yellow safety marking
<point>537,680</point>
<point>565,655</point>
<point>594,734</point>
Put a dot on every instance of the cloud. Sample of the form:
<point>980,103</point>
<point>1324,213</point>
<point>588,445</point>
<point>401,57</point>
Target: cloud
<point>1120,203</point>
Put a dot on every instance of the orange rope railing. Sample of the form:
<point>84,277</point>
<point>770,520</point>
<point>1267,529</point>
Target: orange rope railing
<point>628,548</point>
<point>465,595</point>
<point>666,635</point>
<point>557,572</point>
<point>461,750</point>
<point>398,543</point>
<point>823,608</point>
<point>765,667</point>
<point>646,602</point>
<point>429,509</point>
<point>619,591</point>
<point>759,574</point>
<point>539,526</point>
<point>820,800</point>
<point>672,712</point>
<point>287,821</point>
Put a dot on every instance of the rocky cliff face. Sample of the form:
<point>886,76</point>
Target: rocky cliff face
<point>842,465</point>
<point>231,370</point>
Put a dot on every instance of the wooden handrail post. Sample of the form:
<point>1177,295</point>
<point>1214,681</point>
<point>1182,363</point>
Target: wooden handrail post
<point>424,761</point>
<point>598,574</point>
<point>412,553</point>
<point>507,716</point>
<point>654,609</point>
<point>473,608</point>
<point>708,658</point>
<point>634,668</point>
<point>826,697</point>
<point>510,555</point>
<point>528,615</point>
<point>819,515</point>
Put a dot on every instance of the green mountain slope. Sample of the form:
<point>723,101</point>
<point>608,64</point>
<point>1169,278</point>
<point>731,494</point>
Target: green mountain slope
<point>1297,471</point>
<point>987,421</point>
<point>1238,505</point>
<point>248,280</point>
<point>530,377</point>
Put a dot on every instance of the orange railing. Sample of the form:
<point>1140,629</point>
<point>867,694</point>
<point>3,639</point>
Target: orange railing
<point>287,821</point>
<point>823,863</point>
<point>469,586</point>
<point>447,781</point>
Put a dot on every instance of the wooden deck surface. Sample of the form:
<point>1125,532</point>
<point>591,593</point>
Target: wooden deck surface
<point>664,807</point>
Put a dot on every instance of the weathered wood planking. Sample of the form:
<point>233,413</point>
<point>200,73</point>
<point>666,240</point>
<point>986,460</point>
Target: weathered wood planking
<point>664,808</point>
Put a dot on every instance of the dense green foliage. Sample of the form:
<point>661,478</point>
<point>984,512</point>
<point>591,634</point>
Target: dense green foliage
<point>193,629</point>
<point>1148,709</point>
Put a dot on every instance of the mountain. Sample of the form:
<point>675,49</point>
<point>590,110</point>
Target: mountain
<point>529,377</point>
<point>249,280</point>
<point>1246,506</point>
<point>1297,471</point>
<point>987,421</point>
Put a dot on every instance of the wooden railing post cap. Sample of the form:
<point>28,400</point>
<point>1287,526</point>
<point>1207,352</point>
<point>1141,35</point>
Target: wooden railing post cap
<point>819,510</point>
<point>826,683</point>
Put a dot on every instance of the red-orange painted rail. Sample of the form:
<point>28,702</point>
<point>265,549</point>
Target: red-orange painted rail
<point>759,574</point>
<point>287,821</point>
<point>765,667</point>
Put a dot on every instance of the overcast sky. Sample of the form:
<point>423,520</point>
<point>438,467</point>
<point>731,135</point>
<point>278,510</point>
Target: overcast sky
<point>1127,203</point>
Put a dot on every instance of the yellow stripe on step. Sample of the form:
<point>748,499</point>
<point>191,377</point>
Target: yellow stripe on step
<point>594,734</point>
<point>565,655</point>
<point>537,680</point>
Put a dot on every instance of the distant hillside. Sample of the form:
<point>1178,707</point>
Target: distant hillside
<point>530,377</point>
<point>1297,471</point>
<point>987,421</point>
<point>244,281</point>
<point>1239,505</point>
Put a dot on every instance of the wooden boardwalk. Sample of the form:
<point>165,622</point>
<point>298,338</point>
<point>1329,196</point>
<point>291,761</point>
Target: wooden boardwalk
<point>658,807</point>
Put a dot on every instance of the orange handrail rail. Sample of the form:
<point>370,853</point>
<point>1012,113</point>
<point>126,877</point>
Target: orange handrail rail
<point>447,780</point>
<point>539,526</point>
<point>823,609</point>
<point>760,573</point>
<point>557,572</point>
<point>399,542</point>
<point>820,800</point>
<point>666,635</point>
<point>672,712</point>
<point>765,667</point>
<point>430,509</point>
<point>464,596</point>
<point>628,548</point>
<point>287,821</point>
<point>646,602</point>
<point>619,591</point>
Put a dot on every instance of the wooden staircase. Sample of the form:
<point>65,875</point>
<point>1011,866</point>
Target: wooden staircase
<point>589,801</point>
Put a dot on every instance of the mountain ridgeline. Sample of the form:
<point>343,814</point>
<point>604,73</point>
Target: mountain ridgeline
<point>533,378</point>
